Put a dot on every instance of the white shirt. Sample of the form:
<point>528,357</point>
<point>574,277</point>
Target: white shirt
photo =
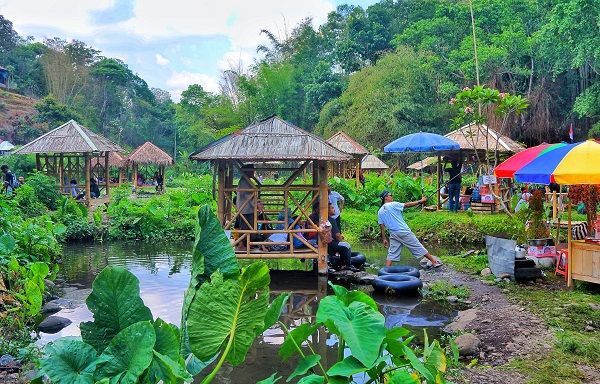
<point>334,197</point>
<point>390,215</point>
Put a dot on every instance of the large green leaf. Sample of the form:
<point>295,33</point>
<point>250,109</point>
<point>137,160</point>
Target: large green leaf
<point>229,313</point>
<point>347,367</point>
<point>312,379</point>
<point>418,365</point>
<point>304,365</point>
<point>116,304</point>
<point>7,244</point>
<point>270,380</point>
<point>274,310</point>
<point>128,354</point>
<point>404,377</point>
<point>212,252</point>
<point>361,326</point>
<point>167,365</point>
<point>295,338</point>
<point>69,360</point>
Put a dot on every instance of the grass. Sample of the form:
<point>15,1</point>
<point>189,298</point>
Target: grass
<point>441,289</point>
<point>472,264</point>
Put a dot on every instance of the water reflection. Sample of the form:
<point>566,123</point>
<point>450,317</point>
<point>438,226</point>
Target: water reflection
<point>164,271</point>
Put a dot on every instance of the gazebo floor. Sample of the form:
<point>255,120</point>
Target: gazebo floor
<point>298,254</point>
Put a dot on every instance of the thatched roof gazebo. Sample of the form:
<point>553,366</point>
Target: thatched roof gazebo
<point>373,163</point>
<point>347,170</point>
<point>146,155</point>
<point>115,162</point>
<point>295,150</point>
<point>479,137</point>
<point>66,152</point>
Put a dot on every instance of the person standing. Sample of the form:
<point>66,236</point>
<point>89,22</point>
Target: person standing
<point>337,201</point>
<point>10,181</point>
<point>454,185</point>
<point>390,217</point>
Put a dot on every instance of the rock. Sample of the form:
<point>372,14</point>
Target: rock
<point>53,324</point>
<point>469,253</point>
<point>595,307</point>
<point>50,308</point>
<point>486,321</point>
<point>7,361</point>
<point>589,328</point>
<point>59,281</point>
<point>467,302</point>
<point>49,284</point>
<point>462,320</point>
<point>467,344</point>
<point>504,276</point>
<point>452,299</point>
<point>486,272</point>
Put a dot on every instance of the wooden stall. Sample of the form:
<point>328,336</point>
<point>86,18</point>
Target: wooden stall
<point>272,145</point>
<point>148,161</point>
<point>347,169</point>
<point>66,154</point>
<point>371,163</point>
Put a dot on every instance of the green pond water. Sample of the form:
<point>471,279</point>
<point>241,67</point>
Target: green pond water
<point>164,271</point>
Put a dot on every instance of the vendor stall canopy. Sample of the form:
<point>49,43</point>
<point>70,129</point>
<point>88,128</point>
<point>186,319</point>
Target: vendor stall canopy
<point>569,164</point>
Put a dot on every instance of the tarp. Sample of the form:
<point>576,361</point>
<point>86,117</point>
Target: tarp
<point>501,255</point>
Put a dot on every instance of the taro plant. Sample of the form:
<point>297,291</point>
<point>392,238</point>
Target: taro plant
<point>224,310</point>
<point>367,350</point>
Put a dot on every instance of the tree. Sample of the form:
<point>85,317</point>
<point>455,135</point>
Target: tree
<point>9,38</point>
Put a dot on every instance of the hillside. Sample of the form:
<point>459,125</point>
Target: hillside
<point>14,110</point>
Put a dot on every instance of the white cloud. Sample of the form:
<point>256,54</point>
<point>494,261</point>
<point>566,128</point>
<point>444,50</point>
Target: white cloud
<point>161,60</point>
<point>179,81</point>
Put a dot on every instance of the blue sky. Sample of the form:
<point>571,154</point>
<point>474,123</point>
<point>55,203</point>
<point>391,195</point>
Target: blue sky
<point>170,44</point>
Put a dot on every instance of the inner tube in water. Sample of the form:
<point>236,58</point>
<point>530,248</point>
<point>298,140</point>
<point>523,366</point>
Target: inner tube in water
<point>357,260</point>
<point>397,284</point>
<point>400,270</point>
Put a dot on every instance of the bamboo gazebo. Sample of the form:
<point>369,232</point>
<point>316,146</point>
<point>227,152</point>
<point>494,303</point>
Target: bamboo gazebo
<point>117,164</point>
<point>272,145</point>
<point>66,153</point>
<point>372,163</point>
<point>145,156</point>
<point>347,169</point>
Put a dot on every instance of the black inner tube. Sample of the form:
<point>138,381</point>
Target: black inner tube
<point>397,284</point>
<point>400,270</point>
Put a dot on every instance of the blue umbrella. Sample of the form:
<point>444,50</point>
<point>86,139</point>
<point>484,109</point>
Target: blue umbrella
<point>421,142</point>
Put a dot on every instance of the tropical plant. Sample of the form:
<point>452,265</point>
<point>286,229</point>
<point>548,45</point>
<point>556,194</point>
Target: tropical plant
<point>223,312</point>
<point>376,354</point>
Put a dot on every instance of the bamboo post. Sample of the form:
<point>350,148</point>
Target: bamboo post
<point>439,174</point>
<point>323,213</point>
<point>220,192</point>
<point>554,205</point>
<point>88,175</point>
<point>121,175</point>
<point>106,174</point>
<point>60,174</point>
<point>38,162</point>
<point>569,250</point>
<point>358,173</point>
<point>161,171</point>
<point>134,176</point>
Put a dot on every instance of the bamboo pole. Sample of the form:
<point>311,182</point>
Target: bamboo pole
<point>134,169</point>
<point>439,172</point>
<point>220,193</point>
<point>88,175</point>
<point>38,162</point>
<point>569,250</point>
<point>358,173</point>
<point>60,174</point>
<point>106,174</point>
<point>323,213</point>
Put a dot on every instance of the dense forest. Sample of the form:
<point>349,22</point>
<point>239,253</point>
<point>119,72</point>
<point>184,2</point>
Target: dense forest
<point>376,73</point>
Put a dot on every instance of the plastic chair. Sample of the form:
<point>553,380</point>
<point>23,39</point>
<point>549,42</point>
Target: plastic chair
<point>562,263</point>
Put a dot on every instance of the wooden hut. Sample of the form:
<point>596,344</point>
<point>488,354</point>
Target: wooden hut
<point>347,169</point>
<point>287,198</point>
<point>66,153</point>
<point>145,156</point>
<point>116,163</point>
<point>372,163</point>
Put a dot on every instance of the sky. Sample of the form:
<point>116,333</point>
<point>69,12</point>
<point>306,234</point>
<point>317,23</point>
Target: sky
<point>170,44</point>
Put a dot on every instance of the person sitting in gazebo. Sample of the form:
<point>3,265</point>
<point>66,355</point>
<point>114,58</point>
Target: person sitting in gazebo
<point>94,189</point>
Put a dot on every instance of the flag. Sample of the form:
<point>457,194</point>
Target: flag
<point>571,132</point>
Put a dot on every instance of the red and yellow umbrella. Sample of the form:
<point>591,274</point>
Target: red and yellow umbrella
<point>517,161</point>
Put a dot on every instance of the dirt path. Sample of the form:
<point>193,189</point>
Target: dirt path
<point>506,331</point>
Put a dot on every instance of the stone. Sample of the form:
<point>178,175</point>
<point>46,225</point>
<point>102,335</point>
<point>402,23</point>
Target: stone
<point>486,321</point>
<point>486,272</point>
<point>467,344</point>
<point>452,299</point>
<point>595,307</point>
<point>49,284</point>
<point>53,324</point>
<point>7,361</point>
<point>50,308</point>
<point>589,328</point>
<point>504,276</point>
<point>462,320</point>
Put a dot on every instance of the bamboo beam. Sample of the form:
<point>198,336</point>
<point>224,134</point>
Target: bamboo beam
<point>220,193</point>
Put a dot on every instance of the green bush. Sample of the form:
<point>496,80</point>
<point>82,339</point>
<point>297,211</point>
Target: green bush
<point>27,200</point>
<point>45,188</point>
<point>20,165</point>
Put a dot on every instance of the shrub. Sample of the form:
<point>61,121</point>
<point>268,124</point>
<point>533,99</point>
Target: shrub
<point>45,188</point>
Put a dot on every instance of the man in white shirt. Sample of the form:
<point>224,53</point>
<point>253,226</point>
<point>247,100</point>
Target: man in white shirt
<point>337,201</point>
<point>390,217</point>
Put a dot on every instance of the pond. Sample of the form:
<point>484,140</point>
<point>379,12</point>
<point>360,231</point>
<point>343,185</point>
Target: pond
<point>164,272</point>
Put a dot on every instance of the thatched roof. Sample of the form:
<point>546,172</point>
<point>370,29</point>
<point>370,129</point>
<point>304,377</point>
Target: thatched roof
<point>149,153</point>
<point>345,143</point>
<point>114,160</point>
<point>473,137</point>
<point>6,145</point>
<point>372,162</point>
<point>270,139</point>
<point>426,162</point>
<point>69,138</point>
